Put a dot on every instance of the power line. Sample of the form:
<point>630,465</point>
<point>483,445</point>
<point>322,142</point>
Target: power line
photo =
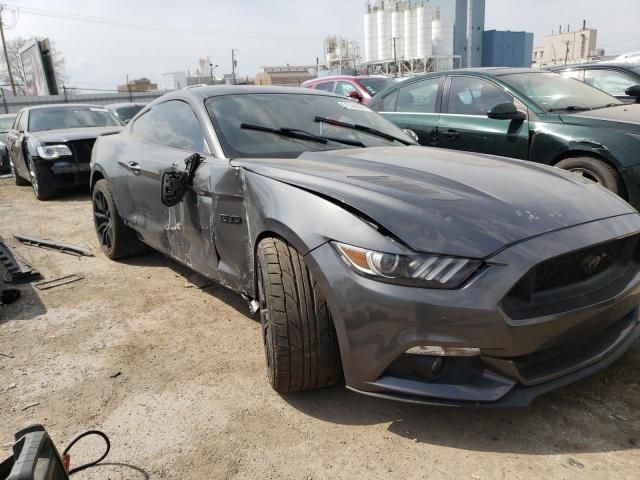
<point>150,26</point>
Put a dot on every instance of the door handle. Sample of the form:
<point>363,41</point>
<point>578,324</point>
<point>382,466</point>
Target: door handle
<point>452,134</point>
<point>134,167</point>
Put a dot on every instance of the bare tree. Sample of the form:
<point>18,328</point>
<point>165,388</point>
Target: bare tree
<point>13,48</point>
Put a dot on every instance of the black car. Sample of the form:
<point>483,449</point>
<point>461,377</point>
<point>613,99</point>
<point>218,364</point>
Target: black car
<point>527,114</point>
<point>125,111</point>
<point>424,275</point>
<point>6,121</point>
<point>613,78</point>
<point>50,145</point>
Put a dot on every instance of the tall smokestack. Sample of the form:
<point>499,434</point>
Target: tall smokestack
<point>584,24</point>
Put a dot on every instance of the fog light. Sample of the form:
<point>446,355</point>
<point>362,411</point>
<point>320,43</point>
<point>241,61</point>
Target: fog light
<point>444,351</point>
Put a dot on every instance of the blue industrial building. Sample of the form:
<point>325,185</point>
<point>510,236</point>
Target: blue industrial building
<point>507,49</point>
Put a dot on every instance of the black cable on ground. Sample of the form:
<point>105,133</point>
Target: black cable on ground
<point>90,464</point>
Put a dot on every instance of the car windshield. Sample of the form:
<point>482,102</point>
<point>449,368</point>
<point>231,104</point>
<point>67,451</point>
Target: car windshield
<point>375,85</point>
<point>70,117</point>
<point>6,123</point>
<point>245,124</point>
<point>127,113</point>
<point>635,69</point>
<point>553,92</point>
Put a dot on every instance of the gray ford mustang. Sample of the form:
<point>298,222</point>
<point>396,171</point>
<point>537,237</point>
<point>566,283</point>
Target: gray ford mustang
<point>419,274</point>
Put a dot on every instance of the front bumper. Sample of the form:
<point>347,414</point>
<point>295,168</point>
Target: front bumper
<point>63,172</point>
<point>521,356</point>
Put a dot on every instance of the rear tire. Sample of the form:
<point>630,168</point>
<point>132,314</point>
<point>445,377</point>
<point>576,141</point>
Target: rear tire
<point>116,239</point>
<point>595,170</point>
<point>41,191</point>
<point>300,340</point>
<point>17,179</point>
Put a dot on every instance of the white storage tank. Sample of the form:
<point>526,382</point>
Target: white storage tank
<point>384,32</point>
<point>424,19</point>
<point>370,37</point>
<point>409,33</point>
<point>397,30</point>
<point>442,36</point>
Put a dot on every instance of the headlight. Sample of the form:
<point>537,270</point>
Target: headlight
<point>50,152</point>
<point>431,271</point>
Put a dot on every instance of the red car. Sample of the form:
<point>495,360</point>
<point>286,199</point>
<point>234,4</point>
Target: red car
<point>361,88</point>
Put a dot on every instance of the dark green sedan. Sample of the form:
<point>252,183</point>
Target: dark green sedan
<point>527,114</point>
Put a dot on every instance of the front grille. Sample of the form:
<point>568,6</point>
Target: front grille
<point>81,150</point>
<point>575,279</point>
<point>577,266</point>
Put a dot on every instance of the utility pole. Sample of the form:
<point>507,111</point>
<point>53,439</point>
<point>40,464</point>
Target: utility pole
<point>129,89</point>
<point>395,59</point>
<point>233,66</point>
<point>6,55</point>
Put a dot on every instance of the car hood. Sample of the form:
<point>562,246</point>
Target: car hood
<point>71,134</point>
<point>443,201</point>
<point>626,117</point>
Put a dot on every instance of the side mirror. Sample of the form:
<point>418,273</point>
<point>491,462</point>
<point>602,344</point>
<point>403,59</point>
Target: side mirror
<point>355,95</point>
<point>175,184</point>
<point>174,187</point>
<point>506,111</point>
<point>411,133</point>
<point>634,91</point>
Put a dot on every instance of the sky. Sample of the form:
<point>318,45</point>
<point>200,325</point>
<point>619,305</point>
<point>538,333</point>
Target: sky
<point>172,36</point>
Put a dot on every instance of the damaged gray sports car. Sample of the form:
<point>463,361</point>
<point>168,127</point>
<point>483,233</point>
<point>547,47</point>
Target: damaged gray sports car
<point>418,274</point>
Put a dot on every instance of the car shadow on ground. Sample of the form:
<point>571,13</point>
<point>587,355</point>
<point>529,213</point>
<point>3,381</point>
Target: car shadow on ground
<point>193,280</point>
<point>27,307</point>
<point>561,422</point>
<point>576,419</point>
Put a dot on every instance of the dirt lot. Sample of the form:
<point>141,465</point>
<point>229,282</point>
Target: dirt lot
<point>175,376</point>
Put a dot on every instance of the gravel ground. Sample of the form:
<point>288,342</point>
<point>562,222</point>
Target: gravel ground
<point>175,375</point>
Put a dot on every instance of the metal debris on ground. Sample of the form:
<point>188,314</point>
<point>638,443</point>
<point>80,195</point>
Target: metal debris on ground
<point>52,245</point>
<point>57,282</point>
<point>13,268</point>
<point>6,175</point>
<point>31,405</point>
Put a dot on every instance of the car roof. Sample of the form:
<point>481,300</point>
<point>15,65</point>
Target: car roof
<point>333,78</point>
<point>205,92</point>
<point>124,104</point>
<point>624,66</point>
<point>62,105</point>
<point>7,115</point>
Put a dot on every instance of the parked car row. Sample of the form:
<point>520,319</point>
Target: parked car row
<point>50,146</point>
<point>417,274</point>
<point>526,114</point>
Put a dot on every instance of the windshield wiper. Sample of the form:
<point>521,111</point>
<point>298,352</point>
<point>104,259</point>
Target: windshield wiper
<point>570,108</point>
<point>363,128</point>
<point>300,134</point>
<point>607,106</point>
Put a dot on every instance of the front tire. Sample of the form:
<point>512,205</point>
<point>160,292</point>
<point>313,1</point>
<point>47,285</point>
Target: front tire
<point>17,179</point>
<point>300,340</point>
<point>41,191</point>
<point>116,239</point>
<point>595,170</point>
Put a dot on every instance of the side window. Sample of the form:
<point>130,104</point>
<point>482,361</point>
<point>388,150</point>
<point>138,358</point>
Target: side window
<point>343,88</point>
<point>171,124</point>
<point>611,81</point>
<point>419,96</point>
<point>22,123</point>
<point>326,86</point>
<point>577,74</point>
<point>474,96</point>
<point>388,103</point>
<point>16,122</point>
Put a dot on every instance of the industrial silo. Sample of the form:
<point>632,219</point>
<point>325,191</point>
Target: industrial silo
<point>370,36</point>
<point>397,29</point>
<point>424,18</point>
<point>409,32</point>
<point>384,32</point>
<point>442,36</point>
